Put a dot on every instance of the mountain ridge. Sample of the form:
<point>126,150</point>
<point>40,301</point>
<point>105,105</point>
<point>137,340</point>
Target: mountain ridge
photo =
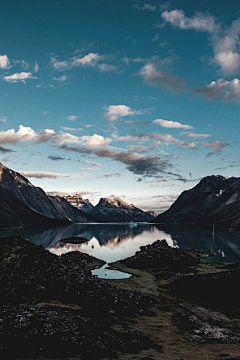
<point>117,210</point>
<point>24,204</point>
<point>214,200</point>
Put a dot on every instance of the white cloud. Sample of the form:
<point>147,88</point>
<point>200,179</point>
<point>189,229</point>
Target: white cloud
<point>4,62</point>
<point>12,137</point>
<point>90,59</point>
<point>95,141</point>
<point>3,119</point>
<point>199,22</point>
<point>171,124</point>
<point>44,136</point>
<point>23,76</point>
<point>28,134</point>
<point>169,139</point>
<point>72,117</point>
<point>60,78</point>
<point>59,65</point>
<point>145,7</point>
<point>225,40</point>
<point>113,112</point>
<point>228,61</point>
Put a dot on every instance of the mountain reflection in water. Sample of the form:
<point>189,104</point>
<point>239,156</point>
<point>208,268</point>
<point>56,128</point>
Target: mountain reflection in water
<point>111,242</point>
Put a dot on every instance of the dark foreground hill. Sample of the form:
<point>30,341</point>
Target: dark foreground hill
<point>53,308</point>
<point>214,200</point>
<point>22,204</point>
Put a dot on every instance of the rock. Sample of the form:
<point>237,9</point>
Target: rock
<point>75,240</point>
<point>160,255</point>
<point>80,325</point>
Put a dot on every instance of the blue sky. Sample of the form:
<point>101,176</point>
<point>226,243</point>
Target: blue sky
<point>135,99</point>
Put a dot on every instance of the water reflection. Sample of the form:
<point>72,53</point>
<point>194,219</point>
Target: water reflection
<point>112,242</point>
<point>105,273</point>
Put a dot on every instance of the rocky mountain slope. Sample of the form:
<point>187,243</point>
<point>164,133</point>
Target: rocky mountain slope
<point>77,201</point>
<point>22,203</point>
<point>214,200</point>
<point>69,211</point>
<point>117,210</point>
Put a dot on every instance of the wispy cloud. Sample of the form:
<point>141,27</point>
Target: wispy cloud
<point>216,147</point>
<point>72,117</point>
<point>49,175</point>
<point>60,78</point>
<point>55,157</point>
<point>90,60</point>
<point>112,175</point>
<point>4,150</point>
<point>65,128</point>
<point>108,67</point>
<point>36,67</point>
<point>148,7</point>
<point>195,136</point>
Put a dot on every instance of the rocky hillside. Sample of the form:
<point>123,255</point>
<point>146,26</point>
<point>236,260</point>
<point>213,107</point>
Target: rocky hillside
<point>22,203</point>
<point>69,211</point>
<point>77,201</point>
<point>117,210</point>
<point>214,200</point>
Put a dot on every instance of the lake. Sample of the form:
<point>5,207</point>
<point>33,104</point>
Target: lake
<point>112,242</point>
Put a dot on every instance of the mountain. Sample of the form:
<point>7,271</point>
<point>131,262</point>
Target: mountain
<point>23,204</point>
<point>151,213</point>
<point>214,200</point>
<point>77,201</point>
<point>69,211</point>
<point>116,210</point>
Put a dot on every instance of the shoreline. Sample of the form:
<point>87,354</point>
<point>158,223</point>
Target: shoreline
<point>166,310</point>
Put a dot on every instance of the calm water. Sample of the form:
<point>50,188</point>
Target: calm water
<point>112,242</point>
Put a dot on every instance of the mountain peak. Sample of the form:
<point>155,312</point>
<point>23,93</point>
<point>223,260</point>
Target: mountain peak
<point>214,200</point>
<point>114,201</point>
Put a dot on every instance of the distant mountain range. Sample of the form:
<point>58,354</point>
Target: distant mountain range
<point>214,200</point>
<point>22,203</point>
<point>77,201</point>
<point>111,210</point>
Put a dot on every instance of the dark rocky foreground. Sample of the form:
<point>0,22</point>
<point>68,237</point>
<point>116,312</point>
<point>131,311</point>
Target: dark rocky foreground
<point>52,308</point>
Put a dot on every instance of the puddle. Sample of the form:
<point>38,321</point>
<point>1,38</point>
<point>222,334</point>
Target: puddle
<point>105,273</point>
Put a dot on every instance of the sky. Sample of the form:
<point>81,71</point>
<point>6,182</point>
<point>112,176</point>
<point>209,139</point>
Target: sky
<point>132,99</point>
